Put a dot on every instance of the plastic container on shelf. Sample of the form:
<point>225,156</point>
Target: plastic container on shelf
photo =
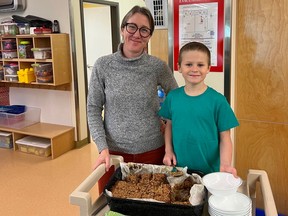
<point>11,78</point>
<point>35,145</point>
<point>43,72</point>
<point>29,117</point>
<point>1,74</point>
<point>26,75</point>
<point>24,49</point>
<point>9,44</point>
<point>8,54</point>
<point>6,140</point>
<point>11,69</point>
<point>10,29</point>
<point>42,53</point>
<point>24,28</point>
<point>42,30</point>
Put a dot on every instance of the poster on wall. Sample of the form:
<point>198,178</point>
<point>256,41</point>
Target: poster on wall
<point>201,21</point>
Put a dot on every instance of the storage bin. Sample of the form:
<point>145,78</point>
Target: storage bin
<point>43,72</point>
<point>6,140</point>
<point>24,28</point>
<point>10,29</point>
<point>26,76</point>
<point>11,69</point>
<point>42,53</point>
<point>29,117</point>
<point>24,49</point>
<point>35,145</point>
<point>1,74</point>
<point>9,44</point>
<point>11,78</point>
<point>42,30</point>
<point>7,54</point>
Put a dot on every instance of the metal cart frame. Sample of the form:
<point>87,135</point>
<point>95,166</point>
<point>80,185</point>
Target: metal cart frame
<point>81,197</point>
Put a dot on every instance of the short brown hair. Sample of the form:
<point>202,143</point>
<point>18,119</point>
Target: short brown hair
<point>192,46</point>
<point>142,10</point>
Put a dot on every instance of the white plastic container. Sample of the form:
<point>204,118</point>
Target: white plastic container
<point>35,145</point>
<point>11,78</point>
<point>42,53</point>
<point>7,54</point>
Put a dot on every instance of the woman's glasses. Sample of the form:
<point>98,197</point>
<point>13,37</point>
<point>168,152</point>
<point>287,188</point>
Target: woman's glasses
<point>132,29</point>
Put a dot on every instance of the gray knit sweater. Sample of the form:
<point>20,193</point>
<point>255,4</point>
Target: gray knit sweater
<point>127,91</point>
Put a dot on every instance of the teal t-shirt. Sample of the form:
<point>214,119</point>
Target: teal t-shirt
<point>196,124</point>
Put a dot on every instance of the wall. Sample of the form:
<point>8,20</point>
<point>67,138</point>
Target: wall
<point>56,106</point>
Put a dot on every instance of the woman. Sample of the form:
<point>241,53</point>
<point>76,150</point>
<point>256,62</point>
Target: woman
<point>124,85</point>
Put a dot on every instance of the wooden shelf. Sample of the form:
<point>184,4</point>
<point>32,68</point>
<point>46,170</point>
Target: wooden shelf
<point>61,59</point>
<point>61,137</point>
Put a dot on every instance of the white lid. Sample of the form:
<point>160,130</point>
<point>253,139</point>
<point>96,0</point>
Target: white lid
<point>8,75</point>
<point>34,141</point>
<point>41,49</point>
<point>4,24</point>
<point>2,133</point>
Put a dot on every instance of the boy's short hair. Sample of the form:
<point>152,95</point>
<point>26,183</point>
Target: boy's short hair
<point>192,46</point>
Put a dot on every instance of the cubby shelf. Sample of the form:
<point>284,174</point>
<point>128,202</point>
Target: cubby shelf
<point>60,60</point>
<point>61,137</point>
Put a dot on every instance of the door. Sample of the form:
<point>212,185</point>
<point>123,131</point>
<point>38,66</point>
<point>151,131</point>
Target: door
<point>261,98</point>
<point>101,38</point>
<point>101,33</point>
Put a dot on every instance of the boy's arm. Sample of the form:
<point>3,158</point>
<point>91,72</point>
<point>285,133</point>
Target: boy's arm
<point>169,158</point>
<point>226,153</point>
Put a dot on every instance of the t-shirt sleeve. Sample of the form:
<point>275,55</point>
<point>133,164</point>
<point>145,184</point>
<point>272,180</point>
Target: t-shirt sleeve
<point>226,117</point>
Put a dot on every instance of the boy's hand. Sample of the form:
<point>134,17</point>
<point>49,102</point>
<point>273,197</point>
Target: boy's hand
<point>228,169</point>
<point>169,159</point>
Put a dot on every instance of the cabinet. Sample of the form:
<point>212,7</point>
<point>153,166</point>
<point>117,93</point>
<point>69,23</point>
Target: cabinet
<point>60,59</point>
<point>61,137</point>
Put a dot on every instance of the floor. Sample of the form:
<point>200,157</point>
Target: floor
<point>38,186</point>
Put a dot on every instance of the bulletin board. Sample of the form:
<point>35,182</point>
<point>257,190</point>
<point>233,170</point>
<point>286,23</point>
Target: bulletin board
<point>202,21</point>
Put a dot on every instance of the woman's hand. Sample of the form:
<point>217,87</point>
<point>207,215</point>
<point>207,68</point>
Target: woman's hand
<point>104,157</point>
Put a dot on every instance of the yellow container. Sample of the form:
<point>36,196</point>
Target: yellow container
<point>26,76</point>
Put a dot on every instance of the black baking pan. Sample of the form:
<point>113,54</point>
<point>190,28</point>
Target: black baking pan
<point>143,208</point>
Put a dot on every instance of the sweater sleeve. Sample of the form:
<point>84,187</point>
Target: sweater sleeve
<point>166,78</point>
<point>95,103</point>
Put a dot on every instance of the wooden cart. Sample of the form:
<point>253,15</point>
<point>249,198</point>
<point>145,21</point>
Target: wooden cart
<point>81,197</point>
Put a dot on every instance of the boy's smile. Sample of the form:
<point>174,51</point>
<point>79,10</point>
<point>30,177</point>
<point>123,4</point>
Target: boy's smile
<point>194,67</point>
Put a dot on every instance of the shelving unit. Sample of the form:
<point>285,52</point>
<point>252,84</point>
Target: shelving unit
<point>61,137</point>
<point>60,60</point>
